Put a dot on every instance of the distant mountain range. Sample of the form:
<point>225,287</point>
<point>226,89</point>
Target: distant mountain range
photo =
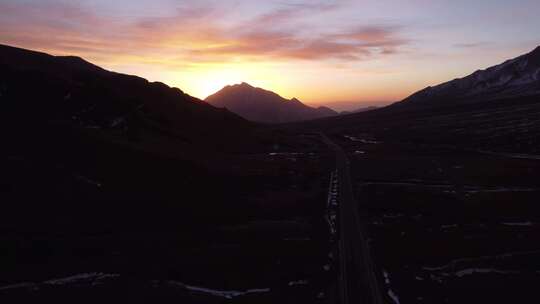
<point>496,109</point>
<point>61,98</point>
<point>518,77</point>
<point>259,105</point>
<point>360,110</point>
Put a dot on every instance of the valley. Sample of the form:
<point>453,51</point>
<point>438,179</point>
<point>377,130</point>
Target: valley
<point>118,189</point>
<point>448,226</point>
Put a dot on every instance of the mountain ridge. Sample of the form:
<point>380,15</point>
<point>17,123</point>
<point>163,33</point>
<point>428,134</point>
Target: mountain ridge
<point>513,78</point>
<point>66,90</point>
<point>260,105</point>
<point>503,117</point>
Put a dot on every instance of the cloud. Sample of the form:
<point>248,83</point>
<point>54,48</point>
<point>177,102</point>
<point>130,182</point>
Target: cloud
<point>293,11</point>
<point>197,33</point>
<point>281,34</point>
<point>58,27</point>
<point>288,45</point>
<point>471,45</point>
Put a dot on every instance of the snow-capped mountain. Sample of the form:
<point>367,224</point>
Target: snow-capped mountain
<point>513,78</point>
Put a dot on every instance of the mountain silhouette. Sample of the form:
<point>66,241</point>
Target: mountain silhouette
<point>517,77</point>
<point>259,105</point>
<point>85,149</point>
<point>360,110</point>
<point>43,90</point>
<point>496,109</point>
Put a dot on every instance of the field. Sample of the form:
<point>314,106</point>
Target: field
<point>247,227</point>
<point>448,225</point>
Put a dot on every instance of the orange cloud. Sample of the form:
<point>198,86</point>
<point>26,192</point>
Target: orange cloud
<point>193,34</point>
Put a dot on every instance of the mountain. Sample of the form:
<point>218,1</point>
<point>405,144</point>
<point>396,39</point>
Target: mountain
<point>497,109</point>
<point>514,78</point>
<point>89,150</point>
<point>260,105</point>
<point>360,110</point>
<point>38,91</point>
<point>79,137</point>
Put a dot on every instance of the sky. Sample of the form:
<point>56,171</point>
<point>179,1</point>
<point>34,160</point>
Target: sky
<point>344,54</point>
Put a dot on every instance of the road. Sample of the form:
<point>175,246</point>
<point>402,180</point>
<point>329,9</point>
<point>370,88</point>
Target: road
<point>358,282</point>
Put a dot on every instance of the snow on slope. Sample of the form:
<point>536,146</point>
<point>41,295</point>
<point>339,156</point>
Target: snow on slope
<point>513,78</point>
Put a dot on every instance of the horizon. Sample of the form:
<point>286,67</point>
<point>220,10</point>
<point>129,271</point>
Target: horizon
<point>338,106</point>
<point>273,152</point>
<point>361,54</point>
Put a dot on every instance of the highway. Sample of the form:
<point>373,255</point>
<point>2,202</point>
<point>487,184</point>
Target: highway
<point>357,282</point>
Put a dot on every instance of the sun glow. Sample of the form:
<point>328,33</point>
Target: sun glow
<point>207,82</point>
<point>202,81</point>
<point>321,52</point>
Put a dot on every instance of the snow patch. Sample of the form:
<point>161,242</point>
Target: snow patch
<point>393,296</point>
<point>471,271</point>
<point>17,286</point>
<point>92,276</point>
<point>386,278</point>
<point>89,181</point>
<point>519,224</point>
<point>117,121</point>
<point>285,154</point>
<point>364,141</point>
<point>299,282</point>
<point>449,226</point>
<point>390,292</point>
<point>227,294</point>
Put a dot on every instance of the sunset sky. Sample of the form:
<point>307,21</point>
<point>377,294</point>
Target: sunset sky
<point>343,54</point>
